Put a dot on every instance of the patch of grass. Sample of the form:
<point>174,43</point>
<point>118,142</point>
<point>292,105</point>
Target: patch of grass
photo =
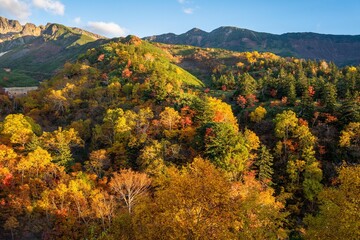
<point>16,78</point>
<point>82,40</point>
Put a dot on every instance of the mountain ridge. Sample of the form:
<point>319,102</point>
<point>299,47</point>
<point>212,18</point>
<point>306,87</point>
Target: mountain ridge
<point>33,53</point>
<point>12,28</point>
<point>341,49</point>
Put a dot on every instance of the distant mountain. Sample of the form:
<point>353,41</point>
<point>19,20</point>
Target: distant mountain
<point>30,53</point>
<point>341,49</point>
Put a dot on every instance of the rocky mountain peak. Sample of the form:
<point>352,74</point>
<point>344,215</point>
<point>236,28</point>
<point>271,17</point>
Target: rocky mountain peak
<point>196,31</point>
<point>31,29</point>
<point>51,29</point>
<point>9,26</point>
<point>11,29</point>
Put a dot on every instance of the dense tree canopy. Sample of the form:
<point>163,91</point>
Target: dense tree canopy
<point>126,144</point>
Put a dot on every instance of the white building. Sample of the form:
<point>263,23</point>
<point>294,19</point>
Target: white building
<point>19,91</point>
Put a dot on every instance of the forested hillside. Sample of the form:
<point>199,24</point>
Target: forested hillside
<point>341,49</point>
<point>137,140</point>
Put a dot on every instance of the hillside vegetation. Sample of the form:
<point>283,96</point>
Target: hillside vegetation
<point>341,49</point>
<point>140,140</point>
<point>35,53</point>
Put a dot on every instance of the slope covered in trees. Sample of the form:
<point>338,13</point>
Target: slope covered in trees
<point>341,49</point>
<point>126,143</point>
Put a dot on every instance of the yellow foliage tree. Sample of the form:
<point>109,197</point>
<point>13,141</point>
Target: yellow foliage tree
<point>219,111</point>
<point>339,215</point>
<point>199,202</point>
<point>170,118</point>
<point>7,156</point>
<point>191,204</point>
<point>350,135</point>
<point>35,162</point>
<point>103,206</point>
<point>258,114</point>
<point>258,215</point>
<point>59,143</point>
<point>18,128</point>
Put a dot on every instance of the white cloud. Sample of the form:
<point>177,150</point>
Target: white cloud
<point>15,8</point>
<point>188,6</point>
<point>54,7</point>
<point>188,10</point>
<point>108,29</point>
<point>77,20</point>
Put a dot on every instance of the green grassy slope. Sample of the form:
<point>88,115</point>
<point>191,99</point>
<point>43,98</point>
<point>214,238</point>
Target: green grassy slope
<point>39,58</point>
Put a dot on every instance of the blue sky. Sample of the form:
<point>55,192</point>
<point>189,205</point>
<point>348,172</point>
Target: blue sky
<point>149,17</point>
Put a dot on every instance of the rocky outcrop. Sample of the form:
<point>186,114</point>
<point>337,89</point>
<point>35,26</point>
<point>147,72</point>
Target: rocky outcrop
<point>38,51</point>
<point>51,29</point>
<point>11,29</point>
<point>9,26</point>
<point>31,30</point>
<point>13,34</point>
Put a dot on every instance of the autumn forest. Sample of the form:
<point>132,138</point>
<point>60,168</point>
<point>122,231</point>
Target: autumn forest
<point>142,140</point>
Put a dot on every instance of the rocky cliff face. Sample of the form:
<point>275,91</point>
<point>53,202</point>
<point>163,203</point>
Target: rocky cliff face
<point>13,34</point>
<point>13,27</point>
<point>341,49</point>
<point>12,30</point>
<point>9,26</point>
<point>31,30</point>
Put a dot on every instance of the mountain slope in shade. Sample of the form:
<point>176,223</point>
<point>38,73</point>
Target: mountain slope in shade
<point>341,49</point>
<point>33,53</point>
